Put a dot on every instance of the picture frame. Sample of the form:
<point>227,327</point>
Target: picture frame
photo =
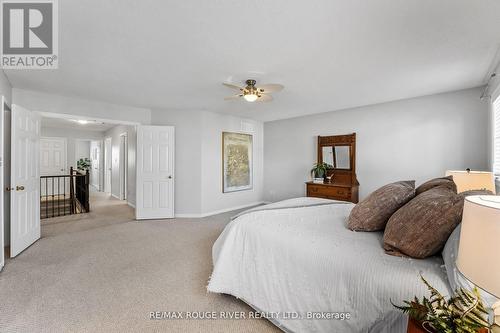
<point>237,162</point>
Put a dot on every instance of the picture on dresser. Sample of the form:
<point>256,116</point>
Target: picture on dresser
<point>236,161</point>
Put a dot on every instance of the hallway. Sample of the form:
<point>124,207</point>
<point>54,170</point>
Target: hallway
<point>104,211</point>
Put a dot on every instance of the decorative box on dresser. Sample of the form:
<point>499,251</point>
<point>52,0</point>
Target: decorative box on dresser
<point>339,153</point>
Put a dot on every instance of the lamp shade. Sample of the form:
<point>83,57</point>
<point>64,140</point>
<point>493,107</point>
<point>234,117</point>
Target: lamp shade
<point>473,180</point>
<point>479,251</point>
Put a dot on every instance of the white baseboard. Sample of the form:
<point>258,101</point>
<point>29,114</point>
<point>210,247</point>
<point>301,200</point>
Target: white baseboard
<point>115,196</point>
<point>220,211</point>
<point>131,204</point>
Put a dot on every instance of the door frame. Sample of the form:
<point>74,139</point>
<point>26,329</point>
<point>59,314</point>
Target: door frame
<point>123,165</point>
<point>2,186</point>
<point>108,167</point>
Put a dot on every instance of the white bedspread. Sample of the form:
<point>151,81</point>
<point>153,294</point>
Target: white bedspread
<point>304,259</point>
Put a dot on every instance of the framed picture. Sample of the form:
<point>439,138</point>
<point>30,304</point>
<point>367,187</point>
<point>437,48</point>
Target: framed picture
<point>237,170</point>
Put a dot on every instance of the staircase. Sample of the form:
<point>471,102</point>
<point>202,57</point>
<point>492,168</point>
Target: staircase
<point>64,194</point>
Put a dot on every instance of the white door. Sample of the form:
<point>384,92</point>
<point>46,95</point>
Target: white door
<point>25,177</point>
<point>52,156</point>
<point>107,165</point>
<point>155,172</point>
<point>2,161</point>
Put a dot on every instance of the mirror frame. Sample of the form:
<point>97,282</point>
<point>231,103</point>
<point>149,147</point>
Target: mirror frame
<point>339,140</point>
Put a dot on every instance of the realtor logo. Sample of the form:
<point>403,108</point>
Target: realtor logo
<point>29,34</point>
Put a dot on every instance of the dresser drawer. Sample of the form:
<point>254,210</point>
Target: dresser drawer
<point>328,192</point>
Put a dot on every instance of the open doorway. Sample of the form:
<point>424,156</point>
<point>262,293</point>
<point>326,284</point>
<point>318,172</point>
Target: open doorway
<point>123,152</point>
<point>94,153</point>
<point>107,164</point>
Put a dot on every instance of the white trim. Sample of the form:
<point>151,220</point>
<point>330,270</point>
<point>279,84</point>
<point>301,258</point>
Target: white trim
<point>131,204</point>
<point>73,116</point>
<point>115,196</point>
<point>220,211</point>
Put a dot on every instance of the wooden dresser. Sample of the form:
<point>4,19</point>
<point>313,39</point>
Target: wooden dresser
<point>338,152</point>
<point>344,192</point>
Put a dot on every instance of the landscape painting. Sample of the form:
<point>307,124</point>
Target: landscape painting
<point>237,161</point>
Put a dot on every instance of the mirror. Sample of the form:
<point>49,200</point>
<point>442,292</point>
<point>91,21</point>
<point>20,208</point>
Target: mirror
<point>328,155</point>
<point>337,157</point>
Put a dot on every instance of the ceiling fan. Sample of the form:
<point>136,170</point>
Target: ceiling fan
<point>252,93</point>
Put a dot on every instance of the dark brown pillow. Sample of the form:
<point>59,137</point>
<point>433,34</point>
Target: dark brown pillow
<point>443,181</point>
<point>420,229</point>
<point>372,213</point>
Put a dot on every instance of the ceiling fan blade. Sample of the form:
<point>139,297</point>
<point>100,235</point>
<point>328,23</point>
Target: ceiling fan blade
<point>269,88</point>
<point>264,98</point>
<point>232,97</point>
<point>232,86</point>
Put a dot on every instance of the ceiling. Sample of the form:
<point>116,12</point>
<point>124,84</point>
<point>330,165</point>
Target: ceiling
<point>329,54</point>
<point>70,123</point>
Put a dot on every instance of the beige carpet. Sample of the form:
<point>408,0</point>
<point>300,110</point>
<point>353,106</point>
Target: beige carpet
<point>105,272</point>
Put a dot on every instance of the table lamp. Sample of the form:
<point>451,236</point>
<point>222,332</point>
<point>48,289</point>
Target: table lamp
<point>479,250</point>
<point>473,180</point>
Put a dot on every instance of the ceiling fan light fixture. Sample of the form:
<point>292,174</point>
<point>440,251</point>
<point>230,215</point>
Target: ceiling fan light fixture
<point>250,97</point>
<point>252,93</point>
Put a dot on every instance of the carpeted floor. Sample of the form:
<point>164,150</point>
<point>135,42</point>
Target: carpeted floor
<point>105,272</point>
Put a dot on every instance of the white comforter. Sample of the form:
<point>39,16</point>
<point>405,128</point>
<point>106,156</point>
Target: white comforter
<point>304,259</point>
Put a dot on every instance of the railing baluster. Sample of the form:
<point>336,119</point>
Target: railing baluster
<point>77,200</point>
<point>58,196</point>
<point>52,203</point>
<point>64,197</point>
<point>41,197</point>
<point>46,198</point>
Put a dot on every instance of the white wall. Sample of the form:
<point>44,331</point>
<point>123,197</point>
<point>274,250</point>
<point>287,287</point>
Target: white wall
<point>417,139</point>
<point>198,161</point>
<point>43,102</point>
<point>213,199</point>
<point>114,134</point>
<point>72,137</point>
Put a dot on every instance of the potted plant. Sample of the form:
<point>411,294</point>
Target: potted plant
<point>319,172</point>
<point>462,313</point>
<point>83,164</point>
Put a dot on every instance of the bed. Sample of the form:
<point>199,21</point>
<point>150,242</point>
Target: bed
<point>296,261</point>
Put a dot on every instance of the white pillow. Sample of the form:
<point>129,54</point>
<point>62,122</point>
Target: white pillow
<point>455,278</point>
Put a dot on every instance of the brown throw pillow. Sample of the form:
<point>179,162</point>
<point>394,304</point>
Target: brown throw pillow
<point>372,213</point>
<point>443,181</point>
<point>420,229</point>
